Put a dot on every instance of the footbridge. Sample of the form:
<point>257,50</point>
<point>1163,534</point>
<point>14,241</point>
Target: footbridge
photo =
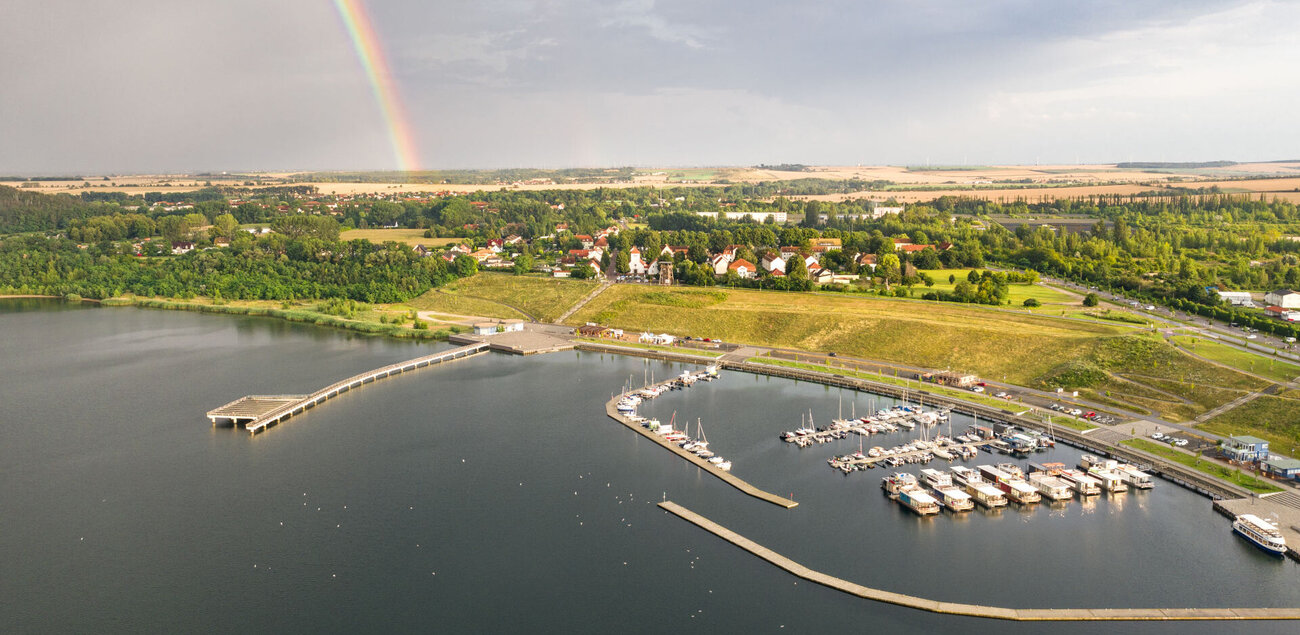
<point>259,412</point>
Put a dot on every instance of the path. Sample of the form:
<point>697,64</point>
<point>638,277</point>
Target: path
<point>583,302</point>
<point>974,610</point>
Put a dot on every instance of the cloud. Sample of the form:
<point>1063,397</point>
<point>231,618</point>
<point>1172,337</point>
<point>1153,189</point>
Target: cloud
<point>640,14</point>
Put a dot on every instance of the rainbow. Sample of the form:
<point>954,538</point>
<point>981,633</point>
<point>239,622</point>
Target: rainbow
<point>371,56</point>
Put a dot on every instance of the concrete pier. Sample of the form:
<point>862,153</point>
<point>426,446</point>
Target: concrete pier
<point>258,413</point>
<point>611,409</point>
<point>975,610</point>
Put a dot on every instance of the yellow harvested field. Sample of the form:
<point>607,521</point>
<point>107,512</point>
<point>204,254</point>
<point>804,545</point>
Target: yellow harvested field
<point>991,342</point>
<point>409,236</point>
<point>504,295</point>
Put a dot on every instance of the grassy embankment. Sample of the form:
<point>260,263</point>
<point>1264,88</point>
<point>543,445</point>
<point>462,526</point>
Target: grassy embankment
<point>1208,466</point>
<point>503,295</point>
<point>1111,362</point>
<point>653,347</point>
<point>1274,369</point>
<point>364,318</point>
<point>1274,419</point>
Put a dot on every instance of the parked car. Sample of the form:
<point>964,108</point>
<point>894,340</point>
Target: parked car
<point>977,389</point>
<point>1157,436</point>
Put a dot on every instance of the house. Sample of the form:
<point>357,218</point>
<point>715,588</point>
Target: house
<point>182,247</point>
<point>460,249</point>
<point>587,241</point>
<point>719,263</point>
<point>496,245</point>
<point>1282,467</point>
<point>951,378</point>
<point>878,211</point>
<point>592,330</point>
<point>821,275</point>
<point>514,239</point>
<point>812,261</point>
<point>772,262</point>
<point>485,328</point>
<point>743,268</point>
<point>512,325</point>
<point>899,242</point>
<point>867,260</point>
<point>1245,449</point>
<point>602,242</point>
<point>482,254</point>
<point>1284,298</point>
<point>943,246</point>
<point>421,250</point>
<point>1281,313</point>
<point>221,241</point>
<point>826,244</point>
<point>911,249</point>
<point>596,266</point>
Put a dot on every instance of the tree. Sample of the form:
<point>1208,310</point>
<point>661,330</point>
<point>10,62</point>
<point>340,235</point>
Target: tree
<point>173,228</point>
<point>889,269</point>
<point>623,261</point>
<point>523,263</point>
<point>583,272</point>
<point>225,226</point>
<point>1032,302</point>
<point>796,268</point>
<point>1091,300</point>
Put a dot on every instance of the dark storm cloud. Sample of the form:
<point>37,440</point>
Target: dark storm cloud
<point>253,85</point>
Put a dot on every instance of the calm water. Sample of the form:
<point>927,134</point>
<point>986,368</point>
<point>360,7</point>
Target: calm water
<point>494,495</point>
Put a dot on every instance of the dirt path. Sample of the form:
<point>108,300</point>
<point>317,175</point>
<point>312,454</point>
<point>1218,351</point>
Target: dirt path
<point>583,302</point>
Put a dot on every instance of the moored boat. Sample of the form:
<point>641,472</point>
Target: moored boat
<point>1261,533</point>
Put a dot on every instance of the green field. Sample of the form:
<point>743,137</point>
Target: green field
<point>1274,419</point>
<point>1017,293</point>
<point>411,237</point>
<point>506,296</point>
<point>1267,367</point>
<point>1208,466</point>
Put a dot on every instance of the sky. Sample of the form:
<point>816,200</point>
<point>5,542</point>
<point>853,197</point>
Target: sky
<point>194,85</point>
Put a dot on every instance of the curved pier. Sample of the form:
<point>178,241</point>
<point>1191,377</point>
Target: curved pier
<point>261,412</point>
<point>974,610</point>
<point>611,409</point>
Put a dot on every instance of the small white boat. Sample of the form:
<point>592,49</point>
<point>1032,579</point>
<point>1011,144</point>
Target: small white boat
<point>1261,533</point>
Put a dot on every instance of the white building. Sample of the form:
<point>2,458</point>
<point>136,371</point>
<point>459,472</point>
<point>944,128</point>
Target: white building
<point>635,265</point>
<point>777,217</point>
<point>1284,298</point>
<point>1236,298</point>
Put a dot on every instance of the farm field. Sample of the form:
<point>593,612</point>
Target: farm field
<point>411,237</point>
<point>505,296</point>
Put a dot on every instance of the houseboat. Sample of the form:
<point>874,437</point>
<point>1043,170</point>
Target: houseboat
<point>1015,488</point>
<point>1261,533</point>
<point>983,492</point>
<point>1104,471</point>
<point>1050,486</point>
<point>1082,483</point>
<point>950,496</point>
<point>1133,477</point>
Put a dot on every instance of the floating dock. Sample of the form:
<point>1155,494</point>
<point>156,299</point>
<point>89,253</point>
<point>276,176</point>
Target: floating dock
<point>974,610</point>
<point>258,412</point>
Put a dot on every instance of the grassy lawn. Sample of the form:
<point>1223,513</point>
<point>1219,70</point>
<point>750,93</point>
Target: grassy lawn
<point>1273,369</point>
<point>500,294</point>
<point>1274,419</point>
<point>377,319</point>
<point>411,237</point>
<point>1017,293</point>
<point>1208,466</point>
<point>653,347</point>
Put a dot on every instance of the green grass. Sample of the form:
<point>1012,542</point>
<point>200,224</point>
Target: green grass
<point>366,321</point>
<point>501,294</point>
<point>1017,293</point>
<point>1274,419</point>
<point>1208,466</point>
<point>1236,358</point>
<point>653,347</point>
<point>986,341</point>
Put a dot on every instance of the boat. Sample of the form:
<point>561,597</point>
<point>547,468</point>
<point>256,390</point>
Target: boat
<point>917,500</point>
<point>1104,471</point>
<point>895,483</point>
<point>983,492</point>
<point>1082,483</point>
<point>1050,486</point>
<point>1133,477</point>
<point>725,466</point>
<point>1016,489</point>
<point>1261,533</point>
<point>950,496</point>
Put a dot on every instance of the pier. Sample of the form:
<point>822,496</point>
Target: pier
<point>611,409</point>
<point>975,610</point>
<point>259,412</point>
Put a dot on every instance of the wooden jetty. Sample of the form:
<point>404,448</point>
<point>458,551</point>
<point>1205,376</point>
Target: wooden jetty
<point>976,610</point>
<point>611,409</point>
<point>259,412</point>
